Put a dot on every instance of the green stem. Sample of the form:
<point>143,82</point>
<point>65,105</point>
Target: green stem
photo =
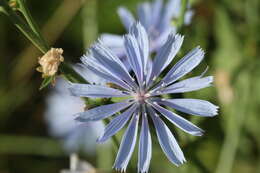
<point>235,124</point>
<point>182,14</point>
<point>89,23</point>
<point>22,26</point>
<point>2,9</point>
<point>26,13</point>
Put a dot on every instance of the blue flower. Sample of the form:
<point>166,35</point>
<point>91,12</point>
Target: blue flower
<point>156,17</point>
<point>143,89</point>
<point>74,136</point>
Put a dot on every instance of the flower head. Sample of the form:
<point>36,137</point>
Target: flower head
<point>144,95</point>
<point>156,17</point>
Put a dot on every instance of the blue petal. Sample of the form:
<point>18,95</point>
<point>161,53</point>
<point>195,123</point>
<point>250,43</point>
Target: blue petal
<point>113,41</point>
<point>188,17</point>
<point>156,12</point>
<point>192,106</point>
<point>179,121</point>
<point>144,12</point>
<point>88,74</point>
<point>148,70</point>
<point>171,10</point>
<point>184,66</point>
<point>145,146</point>
<point>126,17</point>
<point>160,39</point>
<point>127,145</point>
<point>134,56</point>
<point>117,124</point>
<point>141,36</point>
<point>101,112</point>
<point>105,57</point>
<point>166,54</point>
<point>167,141</point>
<point>187,85</point>
<point>95,91</point>
<point>102,72</point>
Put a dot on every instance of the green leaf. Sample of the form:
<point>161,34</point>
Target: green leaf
<point>46,81</point>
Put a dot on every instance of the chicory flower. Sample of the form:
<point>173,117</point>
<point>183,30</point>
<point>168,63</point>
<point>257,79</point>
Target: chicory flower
<point>143,91</point>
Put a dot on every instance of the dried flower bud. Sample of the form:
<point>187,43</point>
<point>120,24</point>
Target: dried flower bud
<point>49,63</point>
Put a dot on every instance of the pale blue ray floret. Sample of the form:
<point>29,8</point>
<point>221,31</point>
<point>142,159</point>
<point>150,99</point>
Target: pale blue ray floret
<point>74,136</point>
<point>143,90</point>
<point>156,17</point>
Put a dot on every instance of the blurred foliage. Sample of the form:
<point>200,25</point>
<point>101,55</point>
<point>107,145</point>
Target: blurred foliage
<point>229,33</point>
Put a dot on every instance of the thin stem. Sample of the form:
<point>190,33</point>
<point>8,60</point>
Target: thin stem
<point>89,23</point>
<point>2,9</point>
<point>182,14</point>
<point>235,124</point>
<point>26,13</point>
<point>22,26</point>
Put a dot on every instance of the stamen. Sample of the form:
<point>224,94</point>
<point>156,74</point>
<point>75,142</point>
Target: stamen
<point>163,84</point>
<point>141,96</point>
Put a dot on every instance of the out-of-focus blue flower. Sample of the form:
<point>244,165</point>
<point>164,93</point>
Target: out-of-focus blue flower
<point>156,17</point>
<point>143,91</point>
<point>59,116</point>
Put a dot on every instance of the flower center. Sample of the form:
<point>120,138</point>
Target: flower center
<point>141,96</point>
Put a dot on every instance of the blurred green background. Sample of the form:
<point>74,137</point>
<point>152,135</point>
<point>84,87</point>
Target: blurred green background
<point>227,30</point>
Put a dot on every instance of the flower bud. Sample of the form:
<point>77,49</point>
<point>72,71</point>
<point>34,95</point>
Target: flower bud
<point>49,62</point>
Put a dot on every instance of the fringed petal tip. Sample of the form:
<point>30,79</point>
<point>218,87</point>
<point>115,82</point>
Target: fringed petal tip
<point>198,133</point>
<point>119,169</point>
<point>212,109</point>
<point>215,110</point>
<point>177,36</point>
<point>181,162</point>
<point>143,170</point>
